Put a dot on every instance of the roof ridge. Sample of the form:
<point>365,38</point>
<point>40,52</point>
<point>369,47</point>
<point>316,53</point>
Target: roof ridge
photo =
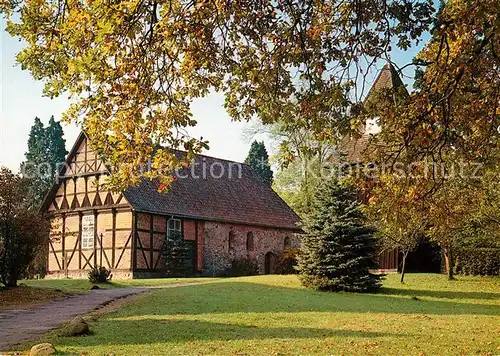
<point>207,156</point>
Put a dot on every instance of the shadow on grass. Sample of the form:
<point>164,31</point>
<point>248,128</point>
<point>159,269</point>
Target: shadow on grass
<point>147,331</point>
<point>151,318</point>
<point>440,294</point>
<point>241,297</point>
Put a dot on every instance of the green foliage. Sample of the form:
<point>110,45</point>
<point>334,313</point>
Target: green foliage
<point>23,230</point>
<point>55,145</point>
<point>179,256</point>
<point>338,247</point>
<point>304,162</point>
<point>296,184</point>
<point>242,267</point>
<point>33,167</point>
<point>46,150</point>
<point>99,275</point>
<point>258,159</point>
<point>287,261</point>
<point>478,261</point>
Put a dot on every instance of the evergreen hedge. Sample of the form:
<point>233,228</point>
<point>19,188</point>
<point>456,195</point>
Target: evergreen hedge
<point>479,261</point>
<point>179,256</point>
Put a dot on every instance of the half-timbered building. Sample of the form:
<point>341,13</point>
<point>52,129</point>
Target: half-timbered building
<point>222,206</point>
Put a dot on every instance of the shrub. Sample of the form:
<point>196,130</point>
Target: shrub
<point>243,267</point>
<point>287,260</point>
<point>478,261</point>
<point>100,275</point>
<point>179,256</point>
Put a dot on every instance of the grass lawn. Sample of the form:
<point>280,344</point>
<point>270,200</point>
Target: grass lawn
<point>83,285</point>
<point>275,315</point>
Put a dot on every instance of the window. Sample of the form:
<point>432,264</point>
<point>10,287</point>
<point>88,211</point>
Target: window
<point>372,126</point>
<point>174,227</point>
<point>231,240</point>
<point>88,222</point>
<point>250,244</point>
<point>287,243</point>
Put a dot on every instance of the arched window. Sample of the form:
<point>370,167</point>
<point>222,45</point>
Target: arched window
<point>287,243</point>
<point>231,240</point>
<point>250,244</point>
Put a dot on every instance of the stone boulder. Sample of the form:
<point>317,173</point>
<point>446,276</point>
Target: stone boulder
<point>76,327</point>
<point>42,350</point>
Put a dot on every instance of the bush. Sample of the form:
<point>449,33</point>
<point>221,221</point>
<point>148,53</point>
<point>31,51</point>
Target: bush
<point>179,256</point>
<point>478,261</point>
<point>100,275</point>
<point>243,267</point>
<point>287,260</point>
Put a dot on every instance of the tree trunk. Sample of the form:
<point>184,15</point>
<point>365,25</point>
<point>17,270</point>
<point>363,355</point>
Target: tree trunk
<point>449,262</point>
<point>403,266</point>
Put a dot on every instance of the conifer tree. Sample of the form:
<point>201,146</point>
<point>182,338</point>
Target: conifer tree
<point>179,256</point>
<point>258,159</point>
<point>337,248</point>
<point>46,150</point>
<point>33,168</point>
<point>55,145</point>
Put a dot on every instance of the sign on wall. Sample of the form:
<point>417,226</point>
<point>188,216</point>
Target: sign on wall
<point>88,222</point>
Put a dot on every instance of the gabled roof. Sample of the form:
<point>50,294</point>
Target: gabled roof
<point>388,78</point>
<point>210,189</point>
<point>355,147</point>
<point>233,193</point>
<point>62,170</point>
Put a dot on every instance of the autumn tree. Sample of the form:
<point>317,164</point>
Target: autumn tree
<point>23,231</point>
<point>133,68</point>
<point>400,218</point>
<point>258,159</point>
<point>447,127</point>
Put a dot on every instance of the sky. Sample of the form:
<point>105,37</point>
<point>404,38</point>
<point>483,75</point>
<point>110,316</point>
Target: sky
<point>21,100</point>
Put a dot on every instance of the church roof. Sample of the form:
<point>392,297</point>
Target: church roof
<point>211,189</point>
<point>388,78</point>
<point>355,147</point>
<point>217,190</point>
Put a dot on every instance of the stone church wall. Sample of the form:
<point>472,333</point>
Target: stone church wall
<point>224,242</point>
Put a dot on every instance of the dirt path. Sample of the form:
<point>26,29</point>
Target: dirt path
<point>17,326</point>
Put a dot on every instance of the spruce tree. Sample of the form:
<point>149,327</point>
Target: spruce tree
<point>338,249</point>
<point>55,145</point>
<point>46,150</point>
<point>33,168</point>
<point>258,159</point>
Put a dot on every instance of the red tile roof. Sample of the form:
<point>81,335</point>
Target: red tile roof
<point>237,196</point>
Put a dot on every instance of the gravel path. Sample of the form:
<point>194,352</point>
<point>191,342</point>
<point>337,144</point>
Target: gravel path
<point>17,326</point>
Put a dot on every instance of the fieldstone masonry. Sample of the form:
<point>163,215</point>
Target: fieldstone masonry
<point>219,251</point>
